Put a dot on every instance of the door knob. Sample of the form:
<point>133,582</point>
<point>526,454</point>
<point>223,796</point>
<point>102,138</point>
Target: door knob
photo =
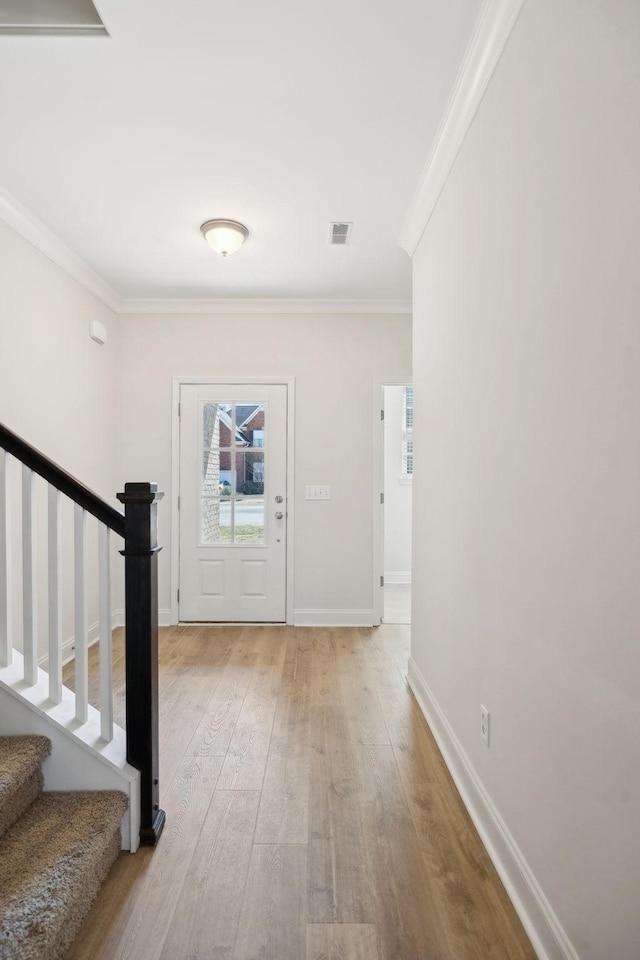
<point>278,499</point>
<point>279,515</point>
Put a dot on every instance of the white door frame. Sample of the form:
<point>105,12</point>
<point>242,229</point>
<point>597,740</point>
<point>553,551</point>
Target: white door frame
<point>378,487</point>
<point>177,382</point>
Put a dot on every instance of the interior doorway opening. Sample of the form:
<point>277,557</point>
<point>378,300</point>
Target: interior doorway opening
<point>397,502</point>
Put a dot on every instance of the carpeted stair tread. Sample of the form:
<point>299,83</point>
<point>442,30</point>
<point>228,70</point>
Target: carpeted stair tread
<point>20,775</point>
<point>53,862</point>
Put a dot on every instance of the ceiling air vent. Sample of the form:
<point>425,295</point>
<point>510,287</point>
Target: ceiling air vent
<point>50,18</point>
<point>339,233</point>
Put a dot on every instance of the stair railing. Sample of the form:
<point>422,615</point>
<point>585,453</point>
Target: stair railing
<point>138,529</point>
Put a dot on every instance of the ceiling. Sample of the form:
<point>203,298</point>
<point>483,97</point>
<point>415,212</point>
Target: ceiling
<point>283,115</point>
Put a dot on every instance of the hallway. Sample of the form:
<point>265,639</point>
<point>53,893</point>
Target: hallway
<point>309,813</point>
<point>397,603</point>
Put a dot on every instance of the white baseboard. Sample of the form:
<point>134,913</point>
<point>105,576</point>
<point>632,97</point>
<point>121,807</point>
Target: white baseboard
<point>68,648</point>
<point>547,935</point>
<point>69,645</point>
<point>164,618</point>
<point>397,576</point>
<point>117,620</point>
<point>333,618</point>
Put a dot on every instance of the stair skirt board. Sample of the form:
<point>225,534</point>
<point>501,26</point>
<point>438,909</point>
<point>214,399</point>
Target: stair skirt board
<point>81,759</point>
<point>56,850</point>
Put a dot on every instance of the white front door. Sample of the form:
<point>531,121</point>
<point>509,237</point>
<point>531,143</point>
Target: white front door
<point>233,502</point>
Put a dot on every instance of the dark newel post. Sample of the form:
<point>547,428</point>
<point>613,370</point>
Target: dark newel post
<point>141,612</point>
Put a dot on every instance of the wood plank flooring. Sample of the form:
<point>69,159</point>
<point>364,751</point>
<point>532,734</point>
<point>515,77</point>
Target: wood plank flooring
<point>310,815</point>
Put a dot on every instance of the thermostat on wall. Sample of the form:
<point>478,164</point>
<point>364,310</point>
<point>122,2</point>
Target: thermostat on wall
<point>98,331</point>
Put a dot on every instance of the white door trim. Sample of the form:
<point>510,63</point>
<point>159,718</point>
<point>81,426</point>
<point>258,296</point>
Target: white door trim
<point>378,488</point>
<point>177,382</point>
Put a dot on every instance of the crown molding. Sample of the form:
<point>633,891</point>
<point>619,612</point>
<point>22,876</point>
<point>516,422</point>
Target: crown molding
<point>43,239</point>
<point>493,28</point>
<point>254,306</point>
<point>16,216</point>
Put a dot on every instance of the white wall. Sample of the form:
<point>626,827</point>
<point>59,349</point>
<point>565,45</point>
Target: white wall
<point>397,493</point>
<point>56,386</point>
<point>334,360</point>
<point>527,391</point>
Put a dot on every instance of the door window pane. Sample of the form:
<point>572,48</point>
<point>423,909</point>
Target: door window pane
<point>233,473</point>
<point>211,472</point>
<point>250,422</point>
<point>249,521</point>
<point>250,472</point>
<point>216,425</point>
<point>216,526</point>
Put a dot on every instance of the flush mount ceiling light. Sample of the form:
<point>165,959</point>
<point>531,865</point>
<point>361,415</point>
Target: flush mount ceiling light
<point>224,236</point>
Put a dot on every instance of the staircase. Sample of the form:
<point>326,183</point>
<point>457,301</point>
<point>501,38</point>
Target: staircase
<point>55,603</point>
<point>56,850</point>
<point>57,847</point>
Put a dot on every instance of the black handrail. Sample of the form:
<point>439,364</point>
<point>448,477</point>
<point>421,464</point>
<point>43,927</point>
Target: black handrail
<point>138,527</point>
<point>62,480</point>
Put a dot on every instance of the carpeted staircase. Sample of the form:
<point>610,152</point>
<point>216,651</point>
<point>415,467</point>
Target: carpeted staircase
<point>56,850</point>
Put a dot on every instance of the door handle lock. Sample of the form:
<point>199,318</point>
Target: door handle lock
<point>279,515</point>
<point>278,499</point>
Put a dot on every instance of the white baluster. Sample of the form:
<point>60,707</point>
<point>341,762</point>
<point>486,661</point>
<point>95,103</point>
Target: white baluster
<point>106,668</point>
<point>6,640</point>
<point>55,597</point>
<point>29,623</point>
<point>81,634</point>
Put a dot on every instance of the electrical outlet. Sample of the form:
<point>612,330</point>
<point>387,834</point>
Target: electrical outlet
<point>485,717</point>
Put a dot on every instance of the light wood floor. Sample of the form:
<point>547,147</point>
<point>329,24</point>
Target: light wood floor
<point>309,814</point>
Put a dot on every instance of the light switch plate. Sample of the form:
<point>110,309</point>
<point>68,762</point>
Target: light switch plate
<point>317,491</point>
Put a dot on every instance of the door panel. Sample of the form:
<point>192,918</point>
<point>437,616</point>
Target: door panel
<point>233,443</point>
